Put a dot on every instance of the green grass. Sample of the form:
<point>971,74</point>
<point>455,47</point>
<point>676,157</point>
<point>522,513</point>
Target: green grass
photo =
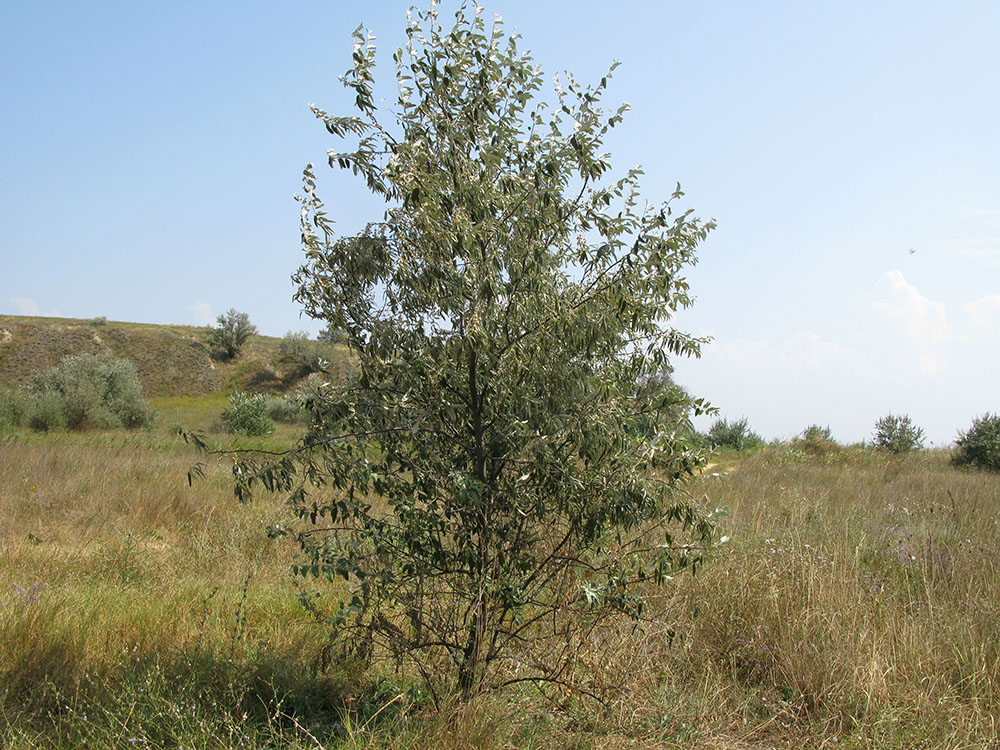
<point>199,414</point>
<point>853,604</point>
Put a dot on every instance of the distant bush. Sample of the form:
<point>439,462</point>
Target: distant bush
<point>88,390</point>
<point>299,356</point>
<point>286,409</point>
<point>736,434</point>
<point>979,446</point>
<point>817,432</point>
<point>46,412</point>
<point>247,415</point>
<point>13,407</point>
<point>231,334</point>
<point>98,321</point>
<point>816,440</point>
<point>311,390</point>
<point>332,335</point>
<point>897,434</point>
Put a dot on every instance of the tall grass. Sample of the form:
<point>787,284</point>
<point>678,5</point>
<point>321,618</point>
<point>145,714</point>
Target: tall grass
<point>143,598</point>
<point>856,598</point>
<point>854,603</point>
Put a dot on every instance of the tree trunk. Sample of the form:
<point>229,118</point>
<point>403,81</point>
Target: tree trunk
<point>470,671</point>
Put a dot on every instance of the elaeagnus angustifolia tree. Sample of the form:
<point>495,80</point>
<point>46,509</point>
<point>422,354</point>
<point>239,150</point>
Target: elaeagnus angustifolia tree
<point>486,487</point>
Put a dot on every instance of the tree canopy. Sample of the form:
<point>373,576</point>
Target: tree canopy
<point>494,479</point>
<point>231,334</point>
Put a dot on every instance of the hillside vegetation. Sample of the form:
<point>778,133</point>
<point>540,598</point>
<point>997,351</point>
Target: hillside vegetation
<point>172,360</point>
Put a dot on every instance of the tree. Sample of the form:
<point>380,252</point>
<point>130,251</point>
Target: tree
<point>485,484</point>
<point>331,335</point>
<point>299,356</point>
<point>736,434</point>
<point>979,445</point>
<point>897,434</point>
<point>675,416</point>
<point>227,339</point>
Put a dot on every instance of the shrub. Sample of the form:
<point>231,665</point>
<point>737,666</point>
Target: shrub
<point>247,415</point>
<point>979,446</point>
<point>233,331</point>
<point>13,407</point>
<point>285,409</point>
<point>46,411</point>
<point>816,432</point>
<point>332,335</point>
<point>88,390</point>
<point>736,434</point>
<point>299,356</point>
<point>897,434</point>
<point>817,440</point>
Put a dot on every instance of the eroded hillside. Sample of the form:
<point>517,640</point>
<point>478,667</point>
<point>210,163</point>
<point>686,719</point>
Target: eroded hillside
<point>171,360</point>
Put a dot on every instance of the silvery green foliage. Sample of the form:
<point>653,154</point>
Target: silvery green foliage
<point>486,482</point>
<point>248,414</point>
<point>92,390</point>
<point>736,434</point>
<point>898,434</point>
<point>13,406</point>
<point>979,445</point>
<point>287,409</point>
<point>232,331</point>
<point>299,356</point>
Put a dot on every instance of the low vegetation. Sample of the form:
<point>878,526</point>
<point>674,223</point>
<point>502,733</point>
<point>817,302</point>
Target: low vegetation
<point>851,602</point>
<point>171,360</point>
<point>736,435</point>
<point>299,356</point>
<point>247,414</point>
<point>979,446</point>
<point>897,434</point>
<point>85,390</point>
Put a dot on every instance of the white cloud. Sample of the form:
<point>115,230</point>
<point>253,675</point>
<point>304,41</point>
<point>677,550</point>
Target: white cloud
<point>897,350</point>
<point>984,318</point>
<point>203,313</point>
<point>924,321</point>
<point>783,384</point>
<point>28,306</point>
<point>803,354</point>
<point>981,237</point>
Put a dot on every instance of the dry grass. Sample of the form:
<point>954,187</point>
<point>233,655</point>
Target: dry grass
<point>854,604</point>
<point>113,569</point>
<point>856,600</point>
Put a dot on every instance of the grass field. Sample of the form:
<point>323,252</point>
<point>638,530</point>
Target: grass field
<point>855,602</point>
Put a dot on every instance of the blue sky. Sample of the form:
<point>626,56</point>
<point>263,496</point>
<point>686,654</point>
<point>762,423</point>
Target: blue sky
<point>149,154</point>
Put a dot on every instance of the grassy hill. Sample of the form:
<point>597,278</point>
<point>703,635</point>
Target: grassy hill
<point>172,360</point>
